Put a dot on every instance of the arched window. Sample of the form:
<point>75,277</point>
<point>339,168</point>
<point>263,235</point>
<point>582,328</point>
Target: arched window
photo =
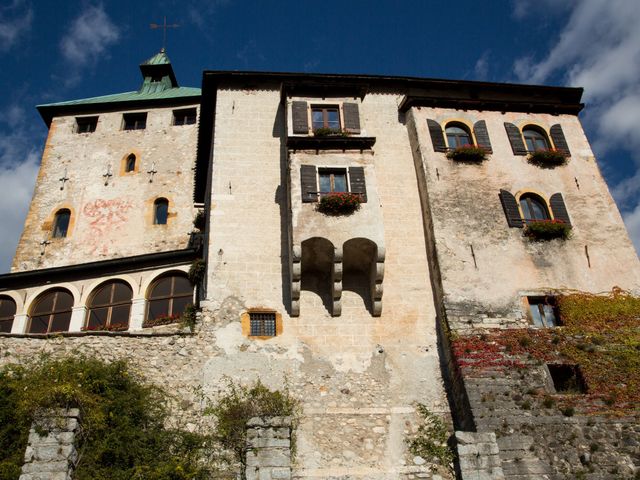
<point>7,312</point>
<point>457,135</point>
<point>110,306</point>
<point>61,223</point>
<point>130,165</point>
<point>535,139</point>
<point>533,207</point>
<point>169,297</point>
<point>51,312</point>
<point>160,211</point>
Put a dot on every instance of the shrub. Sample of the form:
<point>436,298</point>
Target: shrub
<point>467,153</point>
<point>339,203</point>
<point>547,230</point>
<point>548,158</point>
<point>430,441</point>
<point>197,271</point>
<point>330,132</point>
<point>199,221</point>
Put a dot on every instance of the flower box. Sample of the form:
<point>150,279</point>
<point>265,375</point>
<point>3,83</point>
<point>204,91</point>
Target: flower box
<point>548,158</point>
<point>330,132</point>
<point>339,203</point>
<point>467,153</point>
<point>106,328</point>
<point>161,320</point>
<point>547,230</point>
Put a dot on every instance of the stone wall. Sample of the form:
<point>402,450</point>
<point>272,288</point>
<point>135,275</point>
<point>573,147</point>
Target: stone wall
<point>268,448</point>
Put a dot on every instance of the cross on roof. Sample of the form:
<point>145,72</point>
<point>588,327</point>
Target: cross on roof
<point>164,27</point>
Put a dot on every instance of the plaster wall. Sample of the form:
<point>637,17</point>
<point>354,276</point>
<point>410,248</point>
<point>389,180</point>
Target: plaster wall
<point>468,220</point>
<point>115,219</point>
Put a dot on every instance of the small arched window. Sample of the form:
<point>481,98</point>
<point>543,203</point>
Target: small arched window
<point>457,135</point>
<point>130,165</point>
<point>51,312</point>
<point>7,313</point>
<point>533,207</point>
<point>160,211</point>
<point>110,306</point>
<point>61,223</point>
<point>169,297</point>
<point>535,139</point>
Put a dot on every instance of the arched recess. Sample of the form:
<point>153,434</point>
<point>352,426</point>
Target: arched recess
<point>363,272</point>
<point>90,288</point>
<point>51,311</point>
<point>168,296</point>
<point>316,269</point>
<point>109,306</point>
<point>8,309</point>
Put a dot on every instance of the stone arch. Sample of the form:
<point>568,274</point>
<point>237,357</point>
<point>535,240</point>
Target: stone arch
<point>318,256</point>
<point>155,275</point>
<point>86,293</point>
<point>17,298</point>
<point>363,271</point>
<point>34,294</point>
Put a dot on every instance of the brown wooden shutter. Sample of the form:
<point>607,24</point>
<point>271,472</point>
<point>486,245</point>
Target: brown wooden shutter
<point>299,117</point>
<point>557,135</point>
<point>515,138</point>
<point>308,183</point>
<point>357,183</point>
<point>351,117</point>
<point>437,137</point>
<point>556,202</point>
<point>514,220</point>
<point>482,135</point>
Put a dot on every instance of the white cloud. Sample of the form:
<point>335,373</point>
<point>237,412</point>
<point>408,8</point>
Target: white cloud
<point>15,21</point>
<point>89,37</point>
<point>599,49</point>
<point>481,68</point>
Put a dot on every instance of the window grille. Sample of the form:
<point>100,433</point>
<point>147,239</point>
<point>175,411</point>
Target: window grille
<point>263,324</point>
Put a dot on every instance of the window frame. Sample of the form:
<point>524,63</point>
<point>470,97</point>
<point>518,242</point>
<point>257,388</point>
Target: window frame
<point>156,204</point>
<point>8,319</point>
<point>456,135</point>
<point>187,116</point>
<point>128,168</point>
<point>110,305</point>
<point>325,109</point>
<point>91,122</point>
<point>170,297</point>
<point>531,198</point>
<point>52,313</point>
<point>332,171</point>
<point>139,120</point>
<point>55,233</point>
<point>535,133</point>
<point>538,302</point>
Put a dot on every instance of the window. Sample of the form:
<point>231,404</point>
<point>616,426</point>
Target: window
<point>86,124</point>
<point>7,312</point>
<point>333,180</point>
<point>262,324</point>
<point>457,135</point>
<point>567,379</point>
<point>51,312</point>
<point>184,117</point>
<point>61,223</point>
<point>160,211</point>
<point>110,306</point>
<point>169,297</point>
<point>325,117</point>
<point>543,311</point>
<point>130,164</point>
<point>135,121</point>
<point>533,208</point>
<point>535,139</point>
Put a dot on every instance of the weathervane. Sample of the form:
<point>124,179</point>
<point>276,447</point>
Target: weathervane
<point>164,27</point>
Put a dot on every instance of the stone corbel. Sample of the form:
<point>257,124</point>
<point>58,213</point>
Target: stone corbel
<point>336,282</point>
<point>296,275</point>
<point>377,276</point>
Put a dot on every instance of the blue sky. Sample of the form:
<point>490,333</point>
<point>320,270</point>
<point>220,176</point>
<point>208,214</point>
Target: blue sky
<point>53,51</point>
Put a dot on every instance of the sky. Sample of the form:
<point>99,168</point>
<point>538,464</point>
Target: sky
<point>56,51</point>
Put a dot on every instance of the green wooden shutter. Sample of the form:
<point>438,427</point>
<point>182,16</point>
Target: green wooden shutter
<point>511,211</point>
<point>351,117</point>
<point>482,135</point>
<point>515,138</point>
<point>357,183</point>
<point>299,117</point>
<point>559,209</point>
<point>557,135</point>
<point>308,183</point>
<point>437,137</point>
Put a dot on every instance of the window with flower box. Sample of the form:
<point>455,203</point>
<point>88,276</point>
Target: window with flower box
<point>542,220</point>
<point>168,299</point>
<point>109,307</point>
<point>318,181</point>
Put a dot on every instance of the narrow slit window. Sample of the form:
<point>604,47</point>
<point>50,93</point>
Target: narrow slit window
<point>262,324</point>
<point>131,164</point>
<point>186,116</point>
<point>160,211</point>
<point>61,223</point>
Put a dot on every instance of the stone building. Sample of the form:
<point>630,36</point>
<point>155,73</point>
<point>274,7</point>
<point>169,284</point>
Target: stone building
<point>347,302</point>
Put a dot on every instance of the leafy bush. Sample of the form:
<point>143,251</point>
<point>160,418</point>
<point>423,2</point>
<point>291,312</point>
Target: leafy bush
<point>339,203</point>
<point>548,158</point>
<point>123,432</point>
<point>199,221</point>
<point>547,230</point>
<point>467,153</point>
<point>431,439</point>
<point>197,271</point>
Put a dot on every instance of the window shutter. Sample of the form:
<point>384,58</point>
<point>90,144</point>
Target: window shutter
<point>351,117</point>
<point>514,220</point>
<point>357,183</point>
<point>437,138</point>
<point>515,138</point>
<point>308,183</point>
<point>299,117</point>
<point>557,135</point>
<point>482,135</point>
<point>559,209</point>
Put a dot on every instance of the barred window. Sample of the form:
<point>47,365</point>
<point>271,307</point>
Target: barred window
<point>263,324</point>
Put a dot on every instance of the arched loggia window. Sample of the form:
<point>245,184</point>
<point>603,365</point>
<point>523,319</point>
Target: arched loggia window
<point>51,312</point>
<point>7,313</point>
<point>109,307</point>
<point>169,296</point>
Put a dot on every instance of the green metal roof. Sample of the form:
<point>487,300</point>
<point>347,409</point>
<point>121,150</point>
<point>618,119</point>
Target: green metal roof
<point>136,96</point>
<point>159,58</point>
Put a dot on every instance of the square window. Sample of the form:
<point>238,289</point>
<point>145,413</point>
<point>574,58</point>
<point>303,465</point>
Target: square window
<point>135,121</point>
<point>332,180</point>
<point>325,117</point>
<point>186,116</point>
<point>543,311</point>
<point>86,124</point>
<point>262,324</point>
<point>567,379</point>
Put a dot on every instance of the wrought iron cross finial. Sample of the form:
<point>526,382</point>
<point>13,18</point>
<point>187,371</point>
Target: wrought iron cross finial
<point>107,175</point>
<point>63,179</point>
<point>164,27</point>
<point>152,171</point>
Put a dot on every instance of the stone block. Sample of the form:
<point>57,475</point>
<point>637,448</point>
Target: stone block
<point>281,473</point>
